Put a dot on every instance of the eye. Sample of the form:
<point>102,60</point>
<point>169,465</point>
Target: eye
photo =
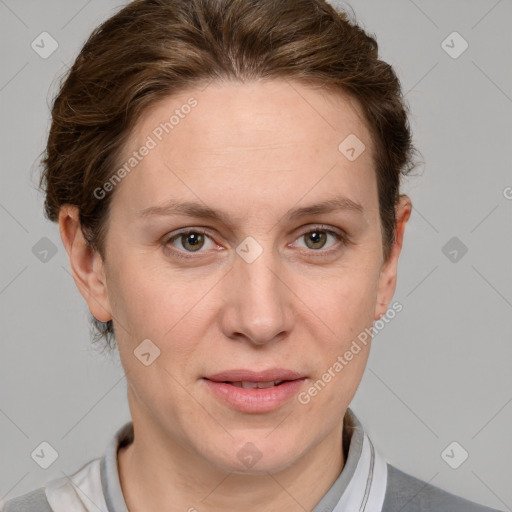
<point>190,241</point>
<point>187,242</point>
<point>317,237</point>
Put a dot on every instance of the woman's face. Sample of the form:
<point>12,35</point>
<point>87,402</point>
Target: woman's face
<point>248,288</point>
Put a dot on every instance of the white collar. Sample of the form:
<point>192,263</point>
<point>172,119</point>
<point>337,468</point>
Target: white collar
<point>367,488</point>
<point>80,492</point>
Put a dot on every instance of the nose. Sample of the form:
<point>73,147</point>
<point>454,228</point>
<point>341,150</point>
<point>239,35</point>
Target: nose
<point>258,303</point>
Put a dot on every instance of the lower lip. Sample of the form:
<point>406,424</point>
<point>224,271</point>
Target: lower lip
<point>255,400</point>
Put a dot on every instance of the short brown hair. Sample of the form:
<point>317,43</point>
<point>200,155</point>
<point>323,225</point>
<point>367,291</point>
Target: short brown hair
<point>151,49</point>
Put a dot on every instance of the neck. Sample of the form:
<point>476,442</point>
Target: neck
<point>153,477</point>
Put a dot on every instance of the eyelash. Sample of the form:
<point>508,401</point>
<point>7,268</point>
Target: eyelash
<point>341,237</point>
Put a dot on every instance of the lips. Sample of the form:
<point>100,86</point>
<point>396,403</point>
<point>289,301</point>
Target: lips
<point>249,391</point>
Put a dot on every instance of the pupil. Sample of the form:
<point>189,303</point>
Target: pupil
<point>317,236</point>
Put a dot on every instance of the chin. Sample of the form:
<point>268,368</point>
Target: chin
<point>259,456</point>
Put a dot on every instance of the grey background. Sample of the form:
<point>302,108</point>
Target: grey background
<point>439,372</point>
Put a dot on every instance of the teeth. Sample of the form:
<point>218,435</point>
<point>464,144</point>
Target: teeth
<point>253,385</point>
<point>270,384</point>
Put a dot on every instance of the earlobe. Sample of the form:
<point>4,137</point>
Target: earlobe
<point>388,274</point>
<point>87,267</point>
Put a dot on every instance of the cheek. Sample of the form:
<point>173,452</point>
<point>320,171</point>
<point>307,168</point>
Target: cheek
<point>343,310</point>
<point>168,307</point>
<point>146,299</point>
<point>159,308</point>
<point>346,314</point>
<point>345,299</point>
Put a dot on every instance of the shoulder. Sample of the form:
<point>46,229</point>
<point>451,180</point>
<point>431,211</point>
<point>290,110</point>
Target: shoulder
<point>33,501</point>
<point>407,493</point>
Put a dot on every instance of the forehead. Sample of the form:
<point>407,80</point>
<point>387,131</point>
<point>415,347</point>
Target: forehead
<point>252,142</point>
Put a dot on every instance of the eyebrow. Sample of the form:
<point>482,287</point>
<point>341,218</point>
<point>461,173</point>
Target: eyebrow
<point>193,209</point>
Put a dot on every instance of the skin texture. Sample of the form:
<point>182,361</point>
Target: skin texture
<point>255,151</point>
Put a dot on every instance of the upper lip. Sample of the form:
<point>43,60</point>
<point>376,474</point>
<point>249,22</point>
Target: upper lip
<point>240,375</point>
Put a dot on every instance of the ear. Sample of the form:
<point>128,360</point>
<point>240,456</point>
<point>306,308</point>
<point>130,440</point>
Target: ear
<point>388,273</point>
<point>87,267</point>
